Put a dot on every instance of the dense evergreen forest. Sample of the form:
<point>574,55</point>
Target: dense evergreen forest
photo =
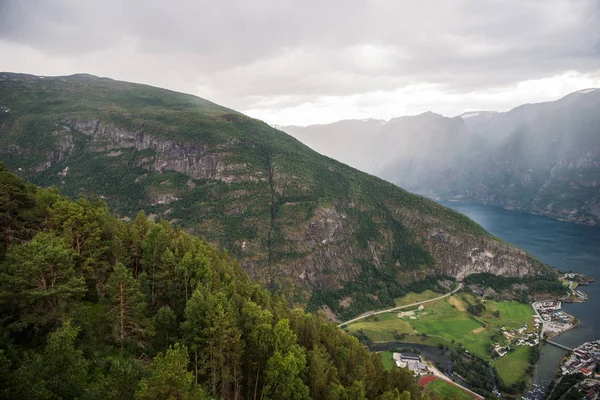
<point>92,307</point>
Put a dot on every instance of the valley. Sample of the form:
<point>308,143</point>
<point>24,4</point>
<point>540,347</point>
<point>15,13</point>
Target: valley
<point>444,320</point>
<point>328,235</point>
<point>332,239</point>
<point>539,158</point>
<point>288,200</point>
<point>568,246</point>
<point>503,334</point>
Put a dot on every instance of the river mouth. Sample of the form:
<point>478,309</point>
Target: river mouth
<point>566,246</point>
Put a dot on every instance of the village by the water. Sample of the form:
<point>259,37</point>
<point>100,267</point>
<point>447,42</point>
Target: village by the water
<point>549,321</point>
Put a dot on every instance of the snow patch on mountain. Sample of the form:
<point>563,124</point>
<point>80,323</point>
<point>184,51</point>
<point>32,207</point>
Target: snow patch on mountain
<point>470,114</point>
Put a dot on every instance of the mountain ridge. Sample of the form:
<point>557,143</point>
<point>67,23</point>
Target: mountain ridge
<point>542,158</point>
<point>295,219</point>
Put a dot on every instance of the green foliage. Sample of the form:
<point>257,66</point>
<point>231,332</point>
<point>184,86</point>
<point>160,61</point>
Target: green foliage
<point>265,189</point>
<point>561,389</point>
<point>475,371</point>
<point>476,309</point>
<point>372,282</point>
<point>60,371</point>
<point>169,378</point>
<point>87,301</point>
<point>127,306</point>
<point>40,283</point>
<point>547,283</point>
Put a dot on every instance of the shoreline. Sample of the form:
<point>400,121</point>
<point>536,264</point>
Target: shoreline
<point>572,298</point>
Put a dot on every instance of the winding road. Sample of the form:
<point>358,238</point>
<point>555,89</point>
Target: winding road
<point>371,313</point>
<point>436,372</point>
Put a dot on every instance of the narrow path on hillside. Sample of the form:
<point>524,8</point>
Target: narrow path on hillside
<point>371,313</point>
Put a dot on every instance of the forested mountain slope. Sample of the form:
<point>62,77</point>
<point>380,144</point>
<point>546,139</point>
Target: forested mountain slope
<point>299,222</point>
<point>95,308</point>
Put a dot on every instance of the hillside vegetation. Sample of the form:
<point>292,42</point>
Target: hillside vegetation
<point>322,232</point>
<point>95,308</point>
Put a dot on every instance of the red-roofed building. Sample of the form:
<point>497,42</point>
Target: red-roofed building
<point>585,371</point>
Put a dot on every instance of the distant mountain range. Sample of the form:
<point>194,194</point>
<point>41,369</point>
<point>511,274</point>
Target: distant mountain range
<point>299,222</point>
<point>538,158</point>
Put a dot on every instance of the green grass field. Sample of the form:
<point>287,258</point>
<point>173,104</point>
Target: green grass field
<point>386,358</point>
<point>382,330</point>
<point>512,314</point>
<point>513,366</point>
<point>447,390</point>
<point>411,297</point>
<point>439,318</point>
<point>446,320</point>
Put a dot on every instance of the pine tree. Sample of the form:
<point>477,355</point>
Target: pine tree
<point>40,283</point>
<point>16,198</point>
<point>169,378</point>
<point>59,372</point>
<point>286,366</point>
<point>127,307</point>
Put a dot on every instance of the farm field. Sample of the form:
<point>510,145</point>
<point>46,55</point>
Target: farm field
<point>513,366</point>
<point>412,297</point>
<point>383,329</point>
<point>446,390</point>
<point>447,321</point>
<point>512,314</point>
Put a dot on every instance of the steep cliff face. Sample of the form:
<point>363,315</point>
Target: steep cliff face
<point>298,221</point>
<point>463,255</point>
<point>193,159</point>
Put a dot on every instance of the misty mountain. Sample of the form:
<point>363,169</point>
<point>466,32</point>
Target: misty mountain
<point>345,141</point>
<point>540,158</point>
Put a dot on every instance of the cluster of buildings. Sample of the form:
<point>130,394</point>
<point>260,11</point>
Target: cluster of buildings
<point>547,306</point>
<point>551,318</point>
<point>583,360</point>
<point>412,361</point>
<point>531,339</point>
<point>513,332</point>
<point>501,350</point>
<point>516,337</point>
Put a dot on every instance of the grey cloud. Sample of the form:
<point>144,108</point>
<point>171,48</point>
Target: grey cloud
<point>240,51</point>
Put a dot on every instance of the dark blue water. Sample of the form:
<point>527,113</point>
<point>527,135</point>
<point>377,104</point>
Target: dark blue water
<point>563,245</point>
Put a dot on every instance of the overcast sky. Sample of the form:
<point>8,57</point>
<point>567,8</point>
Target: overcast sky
<point>315,61</point>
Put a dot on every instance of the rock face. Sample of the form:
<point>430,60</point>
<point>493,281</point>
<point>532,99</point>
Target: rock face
<point>461,256</point>
<point>192,159</point>
<point>296,220</point>
<point>538,158</point>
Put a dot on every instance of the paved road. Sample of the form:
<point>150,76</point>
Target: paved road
<point>370,313</point>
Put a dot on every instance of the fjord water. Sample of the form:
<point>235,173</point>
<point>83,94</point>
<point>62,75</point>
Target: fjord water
<point>563,245</point>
